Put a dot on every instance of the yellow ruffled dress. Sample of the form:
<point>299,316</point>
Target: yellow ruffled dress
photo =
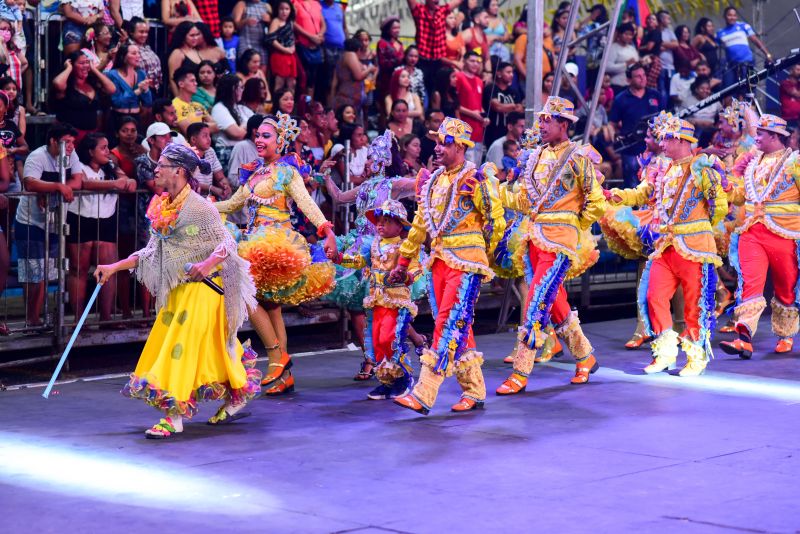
<point>285,267</point>
<point>189,355</point>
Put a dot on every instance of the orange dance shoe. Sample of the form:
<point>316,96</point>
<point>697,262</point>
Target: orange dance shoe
<point>784,345</point>
<point>410,402</point>
<point>584,369</point>
<point>467,405</point>
<point>275,370</point>
<point>741,348</point>
<point>513,384</point>
<point>281,386</point>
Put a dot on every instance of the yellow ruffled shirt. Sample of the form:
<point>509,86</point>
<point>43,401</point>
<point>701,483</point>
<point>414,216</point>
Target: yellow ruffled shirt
<point>568,201</point>
<point>379,260</point>
<point>769,190</point>
<point>462,215</point>
<point>688,205</point>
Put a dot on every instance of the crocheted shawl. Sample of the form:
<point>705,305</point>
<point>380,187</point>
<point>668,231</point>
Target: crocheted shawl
<point>198,233</point>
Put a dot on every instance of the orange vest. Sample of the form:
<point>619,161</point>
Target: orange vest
<point>769,189</point>
<point>461,212</point>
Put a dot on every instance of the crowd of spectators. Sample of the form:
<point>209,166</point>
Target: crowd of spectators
<point>118,100</point>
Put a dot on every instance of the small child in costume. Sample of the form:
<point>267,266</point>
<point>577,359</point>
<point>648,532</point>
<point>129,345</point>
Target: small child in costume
<point>390,309</point>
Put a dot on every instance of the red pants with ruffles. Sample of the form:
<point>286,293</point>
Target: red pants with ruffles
<point>667,273</point>
<point>761,250</point>
<point>542,261</point>
<point>446,282</point>
<point>384,325</point>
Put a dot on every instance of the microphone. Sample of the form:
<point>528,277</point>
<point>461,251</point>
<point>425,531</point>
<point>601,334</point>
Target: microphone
<point>207,281</point>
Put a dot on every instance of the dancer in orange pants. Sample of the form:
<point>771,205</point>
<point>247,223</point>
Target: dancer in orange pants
<point>561,191</point>
<point>459,209</point>
<point>767,240</point>
<point>689,201</point>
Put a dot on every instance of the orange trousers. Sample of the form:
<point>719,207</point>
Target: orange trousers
<point>384,323</point>
<point>446,292</point>
<point>667,273</point>
<point>761,250</point>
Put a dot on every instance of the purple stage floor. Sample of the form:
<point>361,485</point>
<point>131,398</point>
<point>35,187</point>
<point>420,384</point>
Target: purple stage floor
<point>626,452</point>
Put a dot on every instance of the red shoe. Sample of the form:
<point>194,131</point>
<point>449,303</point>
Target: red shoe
<point>784,345</point>
<point>513,384</point>
<point>584,369</point>
<point>276,370</point>
<point>509,359</point>
<point>410,402</point>
<point>741,348</point>
<point>467,405</point>
<point>636,341</point>
<point>282,386</point>
<point>728,328</point>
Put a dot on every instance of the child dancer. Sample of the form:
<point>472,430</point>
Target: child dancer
<point>391,309</point>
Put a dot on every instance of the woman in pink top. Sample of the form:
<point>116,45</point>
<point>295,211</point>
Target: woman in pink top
<point>309,27</point>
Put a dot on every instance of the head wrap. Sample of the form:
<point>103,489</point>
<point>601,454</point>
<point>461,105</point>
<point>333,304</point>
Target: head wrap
<point>380,152</point>
<point>531,137</point>
<point>186,158</point>
<point>734,113</point>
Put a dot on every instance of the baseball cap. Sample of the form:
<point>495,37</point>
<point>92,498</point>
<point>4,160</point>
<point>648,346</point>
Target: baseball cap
<point>571,68</point>
<point>159,128</point>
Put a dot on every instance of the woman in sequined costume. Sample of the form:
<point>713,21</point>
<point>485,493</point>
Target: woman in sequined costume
<point>285,268</point>
<point>382,184</point>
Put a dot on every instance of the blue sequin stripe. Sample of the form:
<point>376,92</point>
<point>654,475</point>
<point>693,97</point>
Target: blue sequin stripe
<point>400,343</point>
<point>641,299</point>
<point>708,320</point>
<point>432,298</point>
<point>538,314</point>
<point>733,259</point>
<point>369,348</point>
<point>453,341</point>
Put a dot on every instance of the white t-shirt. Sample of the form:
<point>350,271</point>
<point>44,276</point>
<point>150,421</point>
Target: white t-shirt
<point>681,87</point>
<point>93,205</point>
<point>495,152</point>
<point>222,116</point>
<point>40,163</point>
<point>708,113</point>
<point>207,179</point>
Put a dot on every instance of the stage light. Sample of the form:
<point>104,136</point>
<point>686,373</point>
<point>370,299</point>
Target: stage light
<point>138,480</point>
<point>713,381</point>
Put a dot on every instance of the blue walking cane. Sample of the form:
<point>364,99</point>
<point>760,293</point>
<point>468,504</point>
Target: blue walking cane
<point>63,359</point>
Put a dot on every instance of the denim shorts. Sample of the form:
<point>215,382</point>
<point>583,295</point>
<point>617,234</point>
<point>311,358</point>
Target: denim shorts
<point>72,32</point>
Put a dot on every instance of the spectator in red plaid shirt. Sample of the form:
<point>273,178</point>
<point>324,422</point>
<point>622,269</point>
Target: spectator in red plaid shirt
<point>431,35</point>
<point>209,12</point>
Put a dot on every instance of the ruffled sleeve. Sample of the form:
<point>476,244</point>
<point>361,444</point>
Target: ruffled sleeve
<point>289,180</point>
<point>487,200</point>
<point>709,179</point>
<point>636,196</point>
<point>594,201</point>
<point>235,203</point>
<point>416,236</point>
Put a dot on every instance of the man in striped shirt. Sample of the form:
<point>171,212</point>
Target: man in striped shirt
<point>735,38</point>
